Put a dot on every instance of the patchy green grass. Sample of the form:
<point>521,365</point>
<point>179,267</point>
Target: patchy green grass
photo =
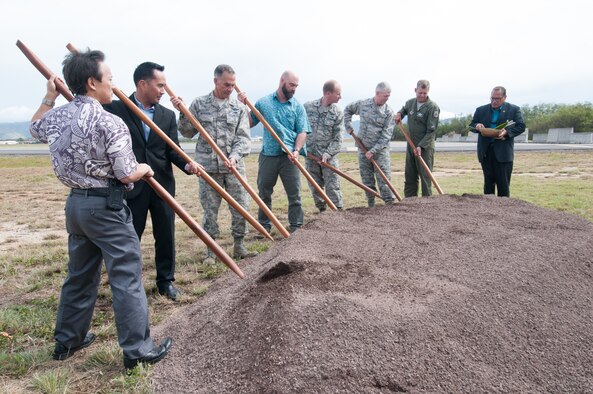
<point>199,291</point>
<point>28,323</point>
<point>259,246</point>
<point>20,363</point>
<point>211,271</point>
<point>137,381</point>
<point>106,357</point>
<point>52,381</point>
<point>37,161</point>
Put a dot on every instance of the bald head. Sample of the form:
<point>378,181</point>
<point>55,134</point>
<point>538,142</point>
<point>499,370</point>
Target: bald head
<point>289,81</point>
<point>288,74</point>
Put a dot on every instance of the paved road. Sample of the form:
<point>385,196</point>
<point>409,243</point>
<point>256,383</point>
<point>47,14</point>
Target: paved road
<point>348,146</point>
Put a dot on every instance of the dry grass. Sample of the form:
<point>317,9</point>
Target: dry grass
<point>33,256</point>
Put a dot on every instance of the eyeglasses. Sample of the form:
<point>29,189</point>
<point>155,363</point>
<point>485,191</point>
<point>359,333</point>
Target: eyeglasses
<point>496,98</point>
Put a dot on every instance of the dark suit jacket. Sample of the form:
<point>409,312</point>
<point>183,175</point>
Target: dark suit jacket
<point>155,152</point>
<point>503,149</point>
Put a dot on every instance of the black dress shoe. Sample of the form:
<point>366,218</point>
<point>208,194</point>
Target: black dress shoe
<point>62,352</point>
<point>154,356</point>
<point>169,290</point>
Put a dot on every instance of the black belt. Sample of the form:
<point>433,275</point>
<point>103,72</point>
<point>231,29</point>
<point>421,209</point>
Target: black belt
<point>95,192</point>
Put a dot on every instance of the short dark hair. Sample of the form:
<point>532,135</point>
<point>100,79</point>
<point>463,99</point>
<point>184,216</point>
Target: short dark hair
<point>79,67</point>
<point>221,68</point>
<point>145,71</point>
<point>329,86</point>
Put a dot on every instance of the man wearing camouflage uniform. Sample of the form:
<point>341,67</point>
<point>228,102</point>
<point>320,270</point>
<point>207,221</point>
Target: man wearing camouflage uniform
<point>327,125</point>
<point>423,119</point>
<point>376,125</point>
<point>225,120</point>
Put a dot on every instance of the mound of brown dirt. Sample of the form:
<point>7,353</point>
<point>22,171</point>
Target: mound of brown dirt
<point>441,294</point>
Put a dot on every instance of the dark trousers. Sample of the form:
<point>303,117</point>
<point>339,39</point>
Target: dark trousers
<point>163,230</point>
<point>269,169</point>
<point>415,170</point>
<point>97,234</point>
<point>496,174</point>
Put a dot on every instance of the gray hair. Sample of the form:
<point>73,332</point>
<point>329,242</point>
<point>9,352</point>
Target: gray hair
<point>423,84</point>
<point>221,68</point>
<point>383,87</point>
<point>501,89</point>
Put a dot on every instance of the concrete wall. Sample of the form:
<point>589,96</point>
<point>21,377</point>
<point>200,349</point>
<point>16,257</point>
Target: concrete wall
<point>553,136</point>
<point>523,137</point>
<point>471,137</point>
<point>560,136</point>
<point>581,138</point>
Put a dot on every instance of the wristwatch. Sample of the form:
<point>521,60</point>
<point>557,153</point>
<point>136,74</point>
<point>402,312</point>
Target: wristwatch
<point>47,102</point>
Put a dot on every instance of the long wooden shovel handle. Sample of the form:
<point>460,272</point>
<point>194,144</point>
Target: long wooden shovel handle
<point>379,170</point>
<point>288,152</point>
<point>191,223</point>
<point>204,134</point>
<point>203,235</point>
<point>44,70</point>
<point>424,165</point>
<point>342,174</point>
<point>213,184</point>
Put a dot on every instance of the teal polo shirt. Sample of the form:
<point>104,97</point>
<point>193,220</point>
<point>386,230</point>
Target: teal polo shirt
<point>288,120</point>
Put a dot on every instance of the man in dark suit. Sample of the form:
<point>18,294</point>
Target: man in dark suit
<point>149,148</point>
<point>495,146</point>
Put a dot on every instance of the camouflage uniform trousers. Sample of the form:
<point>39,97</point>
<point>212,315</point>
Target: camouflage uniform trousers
<point>210,200</point>
<point>325,178</point>
<point>414,169</point>
<point>368,173</point>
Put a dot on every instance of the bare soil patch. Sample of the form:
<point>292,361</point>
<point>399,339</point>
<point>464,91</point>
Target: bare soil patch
<point>14,235</point>
<point>442,294</point>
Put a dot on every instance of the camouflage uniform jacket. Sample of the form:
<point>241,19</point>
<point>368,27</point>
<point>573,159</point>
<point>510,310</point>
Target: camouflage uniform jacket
<point>327,126</point>
<point>226,123</point>
<point>422,123</point>
<point>376,123</point>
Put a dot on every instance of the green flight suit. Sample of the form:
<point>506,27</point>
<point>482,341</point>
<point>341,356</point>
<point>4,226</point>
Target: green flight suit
<point>422,124</point>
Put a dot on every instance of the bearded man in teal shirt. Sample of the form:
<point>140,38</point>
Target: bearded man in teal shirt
<point>289,120</point>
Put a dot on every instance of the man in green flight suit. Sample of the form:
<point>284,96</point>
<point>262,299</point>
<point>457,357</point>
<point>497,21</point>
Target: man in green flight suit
<point>423,119</point>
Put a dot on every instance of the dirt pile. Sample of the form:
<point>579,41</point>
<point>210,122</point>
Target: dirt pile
<point>442,294</point>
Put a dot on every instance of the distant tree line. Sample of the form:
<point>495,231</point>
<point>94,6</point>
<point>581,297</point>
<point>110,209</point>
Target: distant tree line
<point>542,117</point>
<point>538,118</point>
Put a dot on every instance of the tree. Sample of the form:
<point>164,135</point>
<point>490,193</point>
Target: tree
<point>458,125</point>
<point>542,117</point>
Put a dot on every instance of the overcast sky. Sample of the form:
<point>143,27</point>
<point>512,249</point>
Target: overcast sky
<point>541,51</point>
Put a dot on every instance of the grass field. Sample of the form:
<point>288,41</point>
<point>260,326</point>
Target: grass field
<point>33,256</point>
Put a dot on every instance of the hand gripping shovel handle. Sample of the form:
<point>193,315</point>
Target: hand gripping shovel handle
<point>424,165</point>
<point>288,152</point>
<point>222,255</point>
<point>379,170</point>
<point>204,134</point>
